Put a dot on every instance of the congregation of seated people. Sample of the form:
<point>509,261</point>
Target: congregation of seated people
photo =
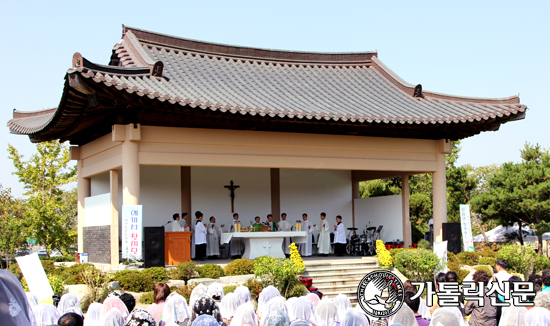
<point>209,305</point>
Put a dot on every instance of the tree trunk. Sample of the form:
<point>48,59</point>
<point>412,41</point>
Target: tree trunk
<point>520,234</point>
<point>480,227</point>
<point>540,244</point>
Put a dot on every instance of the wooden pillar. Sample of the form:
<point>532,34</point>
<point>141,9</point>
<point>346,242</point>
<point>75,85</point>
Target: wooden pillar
<point>186,193</point>
<point>275,194</point>
<point>83,191</point>
<point>440,190</point>
<point>407,228</point>
<point>113,175</point>
<point>130,165</point>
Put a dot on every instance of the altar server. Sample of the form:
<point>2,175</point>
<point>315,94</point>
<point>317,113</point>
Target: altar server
<point>236,244</point>
<point>283,225</point>
<point>200,237</point>
<point>305,248</point>
<point>193,224</point>
<point>213,239</point>
<point>270,222</point>
<point>339,237</point>
<point>185,224</point>
<point>176,226</point>
<point>324,236</point>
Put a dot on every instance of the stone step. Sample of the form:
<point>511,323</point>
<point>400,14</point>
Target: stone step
<point>320,276</point>
<point>332,282</point>
<point>356,270</point>
<point>342,267</point>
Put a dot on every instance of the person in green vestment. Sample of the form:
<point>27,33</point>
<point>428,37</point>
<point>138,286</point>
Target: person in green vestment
<point>270,222</point>
<point>258,225</point>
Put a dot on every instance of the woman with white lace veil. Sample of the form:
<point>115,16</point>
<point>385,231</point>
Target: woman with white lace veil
<point>277,303</point>
<point>276,318</point>
<point>228,306</point>
<point>289,303</point>
<point>513,316</point>
<point>92,315</point>
<point>175,309</point>
<point>404,316</point>
<point>267,294</point>
<point>69,302</point>
<point>215,291</point>
<point>302,309</point>
<point>16,310</point>
<point>327,314</point>
<point>243,293</point>
<point>343,303</point>
<point>45,314</point>
<point>205,320</point>
<point>444,317</point>
<point>245,316</point>
<point>112,318</point>
<point>354,317</point>
<point>537,316</point>
<point>198,292</point>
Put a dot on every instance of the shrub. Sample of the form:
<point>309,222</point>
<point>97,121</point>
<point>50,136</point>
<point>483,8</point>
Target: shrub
<point>239,267</point>
<point>57,283</point>
<point>255,286</point>
<point>183,271</point>
<point>73,274</point>
<point>394,252</point>
<point>297,290</point>
<point>453,264</point>
<point>147,298</point>
<point>210,271</point>
<point>158,274</point>
<point>186,290</point>
<point>418,265</point>
<point>134,281</point>
<point>229,289</point>
<point>520,258</point>
<point>282,273</point>
<point>541,263</point>
<point>487,261</point>
<point>485,269</point>
<point>96,281</point>
<point>424,244</point>
<point>468,258</point>
<point>384,256</point>
<point>487,252</point>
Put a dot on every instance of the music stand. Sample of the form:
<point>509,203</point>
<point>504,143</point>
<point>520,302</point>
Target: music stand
<point>377,233</point>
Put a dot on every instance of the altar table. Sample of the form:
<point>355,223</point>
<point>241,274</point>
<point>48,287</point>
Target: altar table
<point>257,244</point>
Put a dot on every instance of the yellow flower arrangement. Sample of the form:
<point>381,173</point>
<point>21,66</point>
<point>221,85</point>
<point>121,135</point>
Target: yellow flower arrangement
<point>384,256</point>
<point>296,258</point>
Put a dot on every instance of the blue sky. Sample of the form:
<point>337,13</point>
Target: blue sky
<point>469,48</point>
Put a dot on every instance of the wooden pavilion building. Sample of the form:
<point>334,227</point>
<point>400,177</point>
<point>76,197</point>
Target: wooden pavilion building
<point>170,121</point>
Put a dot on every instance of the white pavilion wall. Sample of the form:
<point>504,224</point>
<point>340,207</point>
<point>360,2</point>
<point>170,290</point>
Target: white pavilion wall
<point>209,196</point>
<point>160,193</point>
<point>383,210</point>
<point>316,191</point>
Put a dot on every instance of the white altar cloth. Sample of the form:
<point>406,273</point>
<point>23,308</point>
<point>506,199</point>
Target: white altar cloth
<point>257,244</point>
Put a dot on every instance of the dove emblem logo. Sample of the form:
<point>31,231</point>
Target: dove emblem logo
<point>380,294</point>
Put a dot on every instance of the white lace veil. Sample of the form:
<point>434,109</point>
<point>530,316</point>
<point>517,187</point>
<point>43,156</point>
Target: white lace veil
<point>404,316</point>
<point>276,318</point>
<point>326,314</point>
<point>229,305</point>
<point>175,309</point>
<point>245,315</point>
<point>45,314</point>
<point>513,316</point>
<point>444,317</point>
<point>354,317</point>
<point>343,303</point>
<point>198,292</point>
<point>243,293</point>
<point>92,315</point>
<point>69,302</point>
<point>215,289</point>
<point>302,308</point>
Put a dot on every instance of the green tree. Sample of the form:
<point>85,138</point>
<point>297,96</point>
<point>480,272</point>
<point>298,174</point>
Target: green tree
<point>11,223</point>
<point>50,217</point>
<point>520,192</point>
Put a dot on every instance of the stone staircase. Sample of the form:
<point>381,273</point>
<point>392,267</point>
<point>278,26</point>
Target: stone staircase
<point>336,276</point>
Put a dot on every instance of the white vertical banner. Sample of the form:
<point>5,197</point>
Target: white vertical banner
<point>440,250</point>
<point>36,278</point>
<point>132,231</point>
<point>466,226</point>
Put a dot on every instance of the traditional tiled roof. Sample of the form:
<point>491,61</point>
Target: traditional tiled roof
<point>345,88</point>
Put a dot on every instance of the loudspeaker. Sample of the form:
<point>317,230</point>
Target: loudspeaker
<point>153,242</point>
<point>451,234</point>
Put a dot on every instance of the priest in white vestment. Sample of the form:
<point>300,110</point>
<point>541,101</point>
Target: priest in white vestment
<point>305,248</point>
<point>339,237</point>
<point>283,225</point>
<point>236,245</point>
<point>175,226</point>
<point>324,236</point>
<point>213,238</point>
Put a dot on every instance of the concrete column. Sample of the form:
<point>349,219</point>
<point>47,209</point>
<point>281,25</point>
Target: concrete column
<point>186,193</point>
<point>83,190</point>
<point>130,166</point>
<point>354,195</point>
<point>113,174</point>
<point>407,228</point>
<point>439,197</point>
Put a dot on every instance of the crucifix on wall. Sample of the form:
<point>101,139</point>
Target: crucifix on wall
<point>232,188</point>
